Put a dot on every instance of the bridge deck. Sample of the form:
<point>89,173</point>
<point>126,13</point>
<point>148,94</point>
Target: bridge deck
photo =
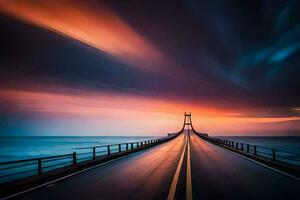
<point>216,174</point>
<point>220,174</point>
<point>144,175</point>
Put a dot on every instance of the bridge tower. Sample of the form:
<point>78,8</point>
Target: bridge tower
<point>187,118</point>
<point>187,121</point>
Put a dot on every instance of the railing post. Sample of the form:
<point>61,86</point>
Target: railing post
<point>74,158</point>
<point>131,146</point>
<point>126,146</point>
<point>119,147</point>
<point>108,150</point>
<point>94,153</point>
<point>137,145</point>
<point>247,148</point>
<point>237,145</point>
<point>39,166</point>
<point>242,146</point>
<point>255,150</point>
<point>273,154</point>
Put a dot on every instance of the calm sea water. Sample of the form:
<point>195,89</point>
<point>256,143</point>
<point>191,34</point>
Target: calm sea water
<point>291,144</point>
<point>16,148</point>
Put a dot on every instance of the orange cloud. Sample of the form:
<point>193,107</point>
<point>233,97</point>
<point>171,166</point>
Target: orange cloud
<point>132,111</point>
<point>96,103</point>
<point>94,24</point>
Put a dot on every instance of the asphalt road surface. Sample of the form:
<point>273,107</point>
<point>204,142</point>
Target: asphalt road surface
<point>145,175</point>
<point>206,171</point>
<point>218,173</point>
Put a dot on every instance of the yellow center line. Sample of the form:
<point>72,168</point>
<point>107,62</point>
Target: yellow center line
<point>172,191</point>
<point>189,192</point>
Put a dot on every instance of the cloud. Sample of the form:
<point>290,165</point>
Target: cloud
<point>108,109</point>
<point>93,24</point>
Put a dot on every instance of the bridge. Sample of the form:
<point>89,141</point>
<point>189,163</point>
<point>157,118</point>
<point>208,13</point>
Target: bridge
<point>185,165</point>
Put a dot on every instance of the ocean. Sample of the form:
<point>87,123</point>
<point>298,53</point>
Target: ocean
<point>17,148</point>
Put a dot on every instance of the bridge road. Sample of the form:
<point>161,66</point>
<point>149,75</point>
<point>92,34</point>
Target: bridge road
<point>145,175</point>
<point>218,173</point>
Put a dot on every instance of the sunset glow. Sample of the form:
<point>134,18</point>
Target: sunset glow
<point>125,109</point>
<point>102,28</point>
<point>110,68</point>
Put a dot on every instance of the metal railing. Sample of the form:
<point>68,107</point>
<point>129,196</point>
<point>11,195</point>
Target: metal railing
<point>14,170</point>
<point>263,152</point>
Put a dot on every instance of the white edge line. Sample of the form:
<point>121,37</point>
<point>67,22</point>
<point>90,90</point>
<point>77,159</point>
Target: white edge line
<point>266,166</point>
<point>68,176</point>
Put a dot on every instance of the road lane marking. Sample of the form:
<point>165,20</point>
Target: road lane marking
<point>48,186</point>
<point>266,166</point>
<point>257,162</point>
<point>172,191</point>
<point>189,192</point>
<point>44,185</point>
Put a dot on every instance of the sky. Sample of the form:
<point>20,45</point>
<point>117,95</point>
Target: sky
<point>133,67</point>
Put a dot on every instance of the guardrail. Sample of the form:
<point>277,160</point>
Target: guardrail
<point>286,157</point>
<point>28,167</point>
<point>20,169</point>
